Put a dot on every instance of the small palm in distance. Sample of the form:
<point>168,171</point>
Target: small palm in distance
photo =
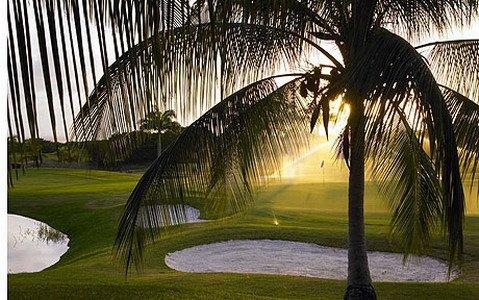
<point>160,122</point>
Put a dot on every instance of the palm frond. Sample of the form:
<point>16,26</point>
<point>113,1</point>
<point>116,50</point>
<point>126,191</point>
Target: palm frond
<point>76,73</point>
<point>418,18</point>
<point>10,153</point>
<point>14,93</point>
<point>184,73</point>
<point>297,16</point>
<point>465,116</point>
<point>456,64</point>
<point>24,60</point>
<point>41,35</point>
<point>408,179</point>
<point>392,74</point>
<point>142,18</point>
<point>50,14</point>
<point>216,161</point>
<point>76,14</point>
<point>66,65</point>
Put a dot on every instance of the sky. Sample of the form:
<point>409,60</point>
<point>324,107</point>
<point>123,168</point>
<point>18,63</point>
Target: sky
<point>42,107</point>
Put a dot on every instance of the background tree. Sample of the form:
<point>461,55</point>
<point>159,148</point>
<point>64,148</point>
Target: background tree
<point>33,151</point>
<point>160,122</point>
<point>15,158</point>
<point>413,120</point>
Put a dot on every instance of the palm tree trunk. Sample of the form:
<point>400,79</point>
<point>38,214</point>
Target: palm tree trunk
<point>359,279</point>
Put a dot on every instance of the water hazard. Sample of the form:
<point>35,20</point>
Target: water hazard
<point>33,245</point>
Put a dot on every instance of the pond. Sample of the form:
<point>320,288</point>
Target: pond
<point>168,214</point>
<point>33,245</point>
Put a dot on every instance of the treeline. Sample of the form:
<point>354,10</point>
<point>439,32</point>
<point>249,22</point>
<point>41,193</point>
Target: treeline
<point>135,147</point>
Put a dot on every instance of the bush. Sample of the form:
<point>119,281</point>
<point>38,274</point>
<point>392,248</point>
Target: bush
<point>71,153</point>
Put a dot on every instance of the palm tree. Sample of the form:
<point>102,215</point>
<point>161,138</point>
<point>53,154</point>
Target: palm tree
<point>160,122</point>
<point>413,110</point>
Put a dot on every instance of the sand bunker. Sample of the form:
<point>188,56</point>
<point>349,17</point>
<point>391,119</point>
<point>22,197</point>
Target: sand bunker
<point>301,259</point>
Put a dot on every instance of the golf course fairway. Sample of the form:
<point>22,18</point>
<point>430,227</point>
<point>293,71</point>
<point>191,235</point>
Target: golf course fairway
<point>86,205</point>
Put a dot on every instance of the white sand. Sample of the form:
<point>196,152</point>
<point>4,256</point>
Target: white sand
<point>301,259</point>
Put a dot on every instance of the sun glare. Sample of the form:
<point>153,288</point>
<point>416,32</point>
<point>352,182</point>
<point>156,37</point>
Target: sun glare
<point>339,113</point>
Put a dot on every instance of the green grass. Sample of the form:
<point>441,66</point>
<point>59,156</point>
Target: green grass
<point>87,205</point>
